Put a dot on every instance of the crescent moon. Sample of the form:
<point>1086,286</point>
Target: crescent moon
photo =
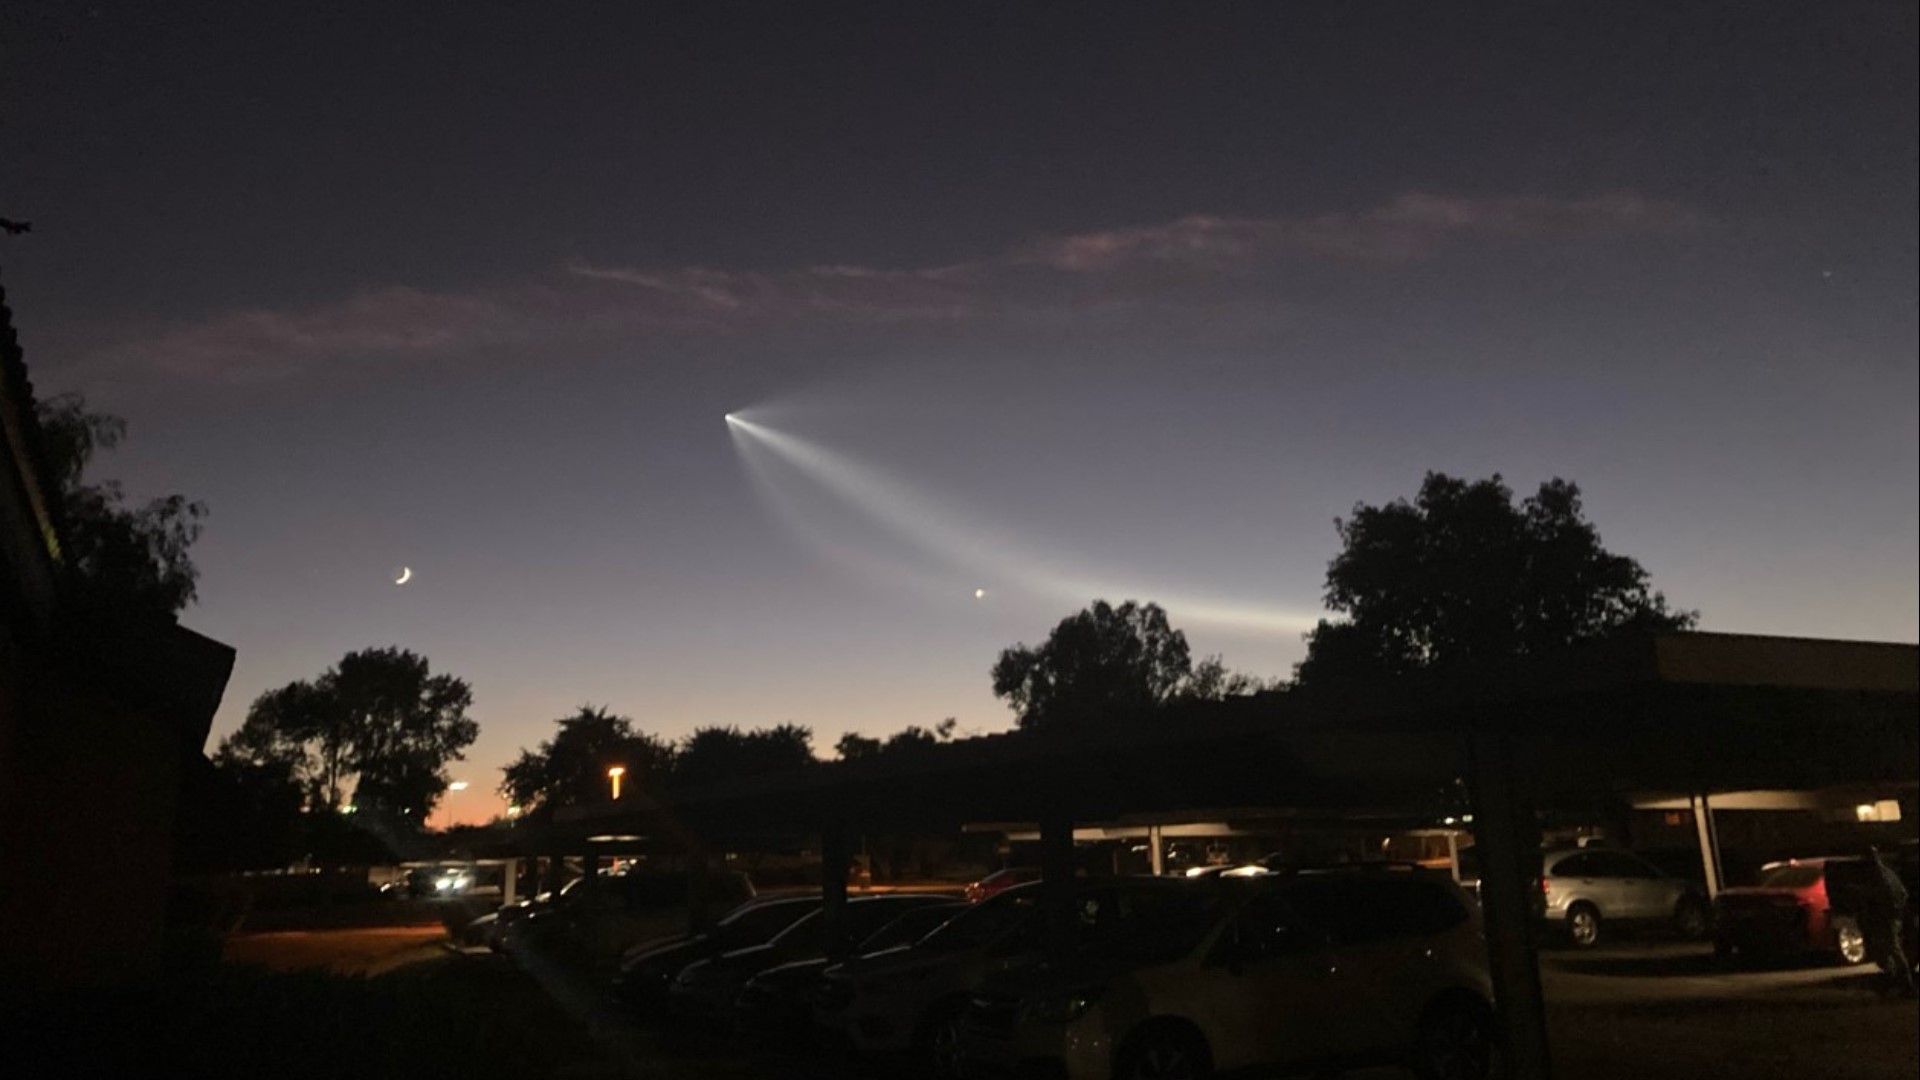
<point>406,575</point>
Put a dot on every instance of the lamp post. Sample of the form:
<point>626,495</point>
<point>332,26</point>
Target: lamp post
<point>456,786</point>
<point>614,774</point>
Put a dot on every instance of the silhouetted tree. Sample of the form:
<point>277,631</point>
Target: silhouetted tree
<point>299,730</point>
<point>854,746</point>
<point>1101,661</point>
<point>1212,680</point>
<point>714,754</point>
<point>133,557</point>
<point>243,816</point>
<point>1462,575</point>
<point>379,717</point>
<point>911,739</point>
<point>570,769</point>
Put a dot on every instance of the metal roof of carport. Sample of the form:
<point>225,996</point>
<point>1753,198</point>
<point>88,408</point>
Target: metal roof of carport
<point>1686,711</point>
<point>1693,712</point>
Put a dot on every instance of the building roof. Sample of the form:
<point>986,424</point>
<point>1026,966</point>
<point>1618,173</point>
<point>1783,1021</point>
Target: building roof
<point>29,533</point>
<point>1671,711</point>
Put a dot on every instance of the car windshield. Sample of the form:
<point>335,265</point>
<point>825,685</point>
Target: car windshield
<point>867,917</point>
<point>985,922</point>
<point>1790,877</point>
<point>760,923</point>
<point>911,927</point>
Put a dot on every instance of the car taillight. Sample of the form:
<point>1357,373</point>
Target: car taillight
<point>1546,886</point>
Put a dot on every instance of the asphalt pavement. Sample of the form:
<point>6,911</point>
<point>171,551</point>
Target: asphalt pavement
<point>1640,1010</point>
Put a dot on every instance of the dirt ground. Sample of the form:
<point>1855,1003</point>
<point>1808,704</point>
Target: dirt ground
<point>358,951</point>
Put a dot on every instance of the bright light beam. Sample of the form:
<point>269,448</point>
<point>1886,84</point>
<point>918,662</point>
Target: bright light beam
<point>979,551</point>
<point>774,478</point>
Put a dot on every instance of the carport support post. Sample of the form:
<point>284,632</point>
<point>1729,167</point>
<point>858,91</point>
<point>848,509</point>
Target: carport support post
<point>1504,833</point>
<point>835,858</point>
<point>1156,848</point>
<point>700,913</point>
<point>510,882</point>
<point>1056,876</point>
<point>1709,843</point>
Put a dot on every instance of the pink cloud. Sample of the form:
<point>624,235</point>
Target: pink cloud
<point>1168,263</point>
<point>1409,228</point>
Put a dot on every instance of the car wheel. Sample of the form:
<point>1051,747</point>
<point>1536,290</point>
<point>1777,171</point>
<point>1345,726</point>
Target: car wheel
<point>1852,943</point>
<point>1455,1042</point>
<point>1690,919</point>
<point>938,1040</point>
<point>1583,926</point>
<point>1164,1053</point>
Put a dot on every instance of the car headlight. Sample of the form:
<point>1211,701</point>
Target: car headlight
<point>1066,1008</point>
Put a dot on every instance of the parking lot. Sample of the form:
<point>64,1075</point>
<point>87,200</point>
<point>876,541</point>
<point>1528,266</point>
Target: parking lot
<point>1657,1010</point>
<point>1646,1010</point>
<point>1641,1011</point>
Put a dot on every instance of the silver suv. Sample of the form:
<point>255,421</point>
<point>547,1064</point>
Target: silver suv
<point>1582,890</point>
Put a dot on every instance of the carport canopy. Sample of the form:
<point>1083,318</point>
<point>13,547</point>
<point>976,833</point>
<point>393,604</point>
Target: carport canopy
<point>1690,713</point>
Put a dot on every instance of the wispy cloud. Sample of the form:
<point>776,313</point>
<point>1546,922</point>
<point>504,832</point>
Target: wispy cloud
<point>1064,273</point>
<point>1410,228</point>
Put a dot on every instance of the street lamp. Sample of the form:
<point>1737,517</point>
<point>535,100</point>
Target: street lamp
<point>614,774</point>
<point>457,785</point>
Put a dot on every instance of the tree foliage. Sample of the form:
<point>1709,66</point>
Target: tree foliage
<point>911,739</point>
<point>133,556</point>
<point>1098,662</point>
<point>714,754</point>
<point>379,718</point>
<point>1212,680</point>
<point>1462,575</point>
<point>570,769</point>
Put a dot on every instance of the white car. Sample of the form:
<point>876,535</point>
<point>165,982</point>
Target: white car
<point>1302,970</point>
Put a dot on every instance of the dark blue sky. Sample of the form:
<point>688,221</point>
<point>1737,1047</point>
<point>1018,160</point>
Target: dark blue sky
<point>1121,300</point>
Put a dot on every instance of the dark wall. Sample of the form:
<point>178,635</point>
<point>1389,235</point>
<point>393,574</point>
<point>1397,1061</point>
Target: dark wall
<point>88,790</point>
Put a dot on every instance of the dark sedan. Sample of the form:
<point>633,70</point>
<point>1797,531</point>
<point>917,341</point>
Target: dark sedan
<point>778,1002</point>
<point>706,990</point>
<point>646,974</point>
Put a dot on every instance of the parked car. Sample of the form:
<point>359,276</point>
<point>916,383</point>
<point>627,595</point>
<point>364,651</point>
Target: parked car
<point>1582,891</point>
<point>492,929</point>
<point>1298,970</point>
<point>647,972</point>
<point>595,921</point>
<point>778,1002</point>
<point>1789,912</point>
<point>914,999</point>
<point>1000,881</point>
<point>705,990</point>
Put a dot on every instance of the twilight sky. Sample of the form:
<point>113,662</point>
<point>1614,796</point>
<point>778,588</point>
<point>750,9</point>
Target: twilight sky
<point>1096,301</point>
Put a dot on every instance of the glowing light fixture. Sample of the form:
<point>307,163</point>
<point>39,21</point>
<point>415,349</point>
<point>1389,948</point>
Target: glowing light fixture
<point>614,774</point>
